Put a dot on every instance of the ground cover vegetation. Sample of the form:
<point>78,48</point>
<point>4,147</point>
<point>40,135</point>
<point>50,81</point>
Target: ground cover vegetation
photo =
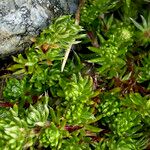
<point>99,99</point>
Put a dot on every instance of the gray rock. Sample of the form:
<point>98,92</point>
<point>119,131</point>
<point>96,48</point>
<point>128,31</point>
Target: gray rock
<point>22,19</point>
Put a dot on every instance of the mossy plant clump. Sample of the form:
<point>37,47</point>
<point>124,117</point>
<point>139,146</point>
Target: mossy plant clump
<point>100,100</point>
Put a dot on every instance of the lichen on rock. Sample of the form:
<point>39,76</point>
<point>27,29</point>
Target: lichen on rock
<point>22,19</point>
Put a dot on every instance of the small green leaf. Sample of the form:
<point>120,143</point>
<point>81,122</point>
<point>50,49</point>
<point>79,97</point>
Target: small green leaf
<point>110,20</point>
<point>94,49</point>
<point>137,25</point>
<point>53,115</point>
<point>128,2</point>
<point>101,38</point>
<point>144,22</point>
<point>92,128</point>
<point>136,99</point>
<point>126,77</point>
<point>95,120</point>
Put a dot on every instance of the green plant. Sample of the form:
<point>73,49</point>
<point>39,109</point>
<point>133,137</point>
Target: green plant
<point>112,53</point>
<point>144,69</point>
<point>144,33</point>
<point>101,98</point>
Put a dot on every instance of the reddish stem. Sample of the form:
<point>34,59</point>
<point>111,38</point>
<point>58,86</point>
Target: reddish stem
<point>6,104</point>
<point>72,128</point>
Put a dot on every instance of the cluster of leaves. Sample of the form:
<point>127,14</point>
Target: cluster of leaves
<point>100,101</point>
